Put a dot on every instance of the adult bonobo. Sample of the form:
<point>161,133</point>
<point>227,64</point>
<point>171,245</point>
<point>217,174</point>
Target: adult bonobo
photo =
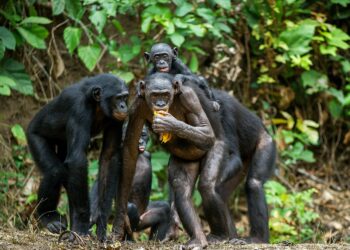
<point>142,213</point>
<point>193,139</point>
<point>58,138</point>
<point>241,148</point>
<point>164,59</point>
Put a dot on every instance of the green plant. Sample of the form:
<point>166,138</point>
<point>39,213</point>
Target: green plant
<point>292,215</point>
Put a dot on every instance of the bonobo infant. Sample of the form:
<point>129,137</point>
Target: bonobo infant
<point>142,213</point>
<point>165,59</point>
<point>58,139</point>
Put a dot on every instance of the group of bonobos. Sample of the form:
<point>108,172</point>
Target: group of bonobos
<point>211,136</point>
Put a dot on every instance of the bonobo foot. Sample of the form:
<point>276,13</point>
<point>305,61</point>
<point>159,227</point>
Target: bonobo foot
<point>195,244</point>
<point>215,239</point>
<point>74,238</point>
<point>247,240</point>
<point>236,241</point>
<point>54,222</point>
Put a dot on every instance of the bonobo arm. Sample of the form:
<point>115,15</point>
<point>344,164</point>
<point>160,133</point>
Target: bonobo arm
<point>130,154</point>
<point>197,130</point>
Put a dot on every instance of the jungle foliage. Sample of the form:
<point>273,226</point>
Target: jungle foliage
<point>294,55</point>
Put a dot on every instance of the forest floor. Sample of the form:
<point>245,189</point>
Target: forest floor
<point>16,239</point>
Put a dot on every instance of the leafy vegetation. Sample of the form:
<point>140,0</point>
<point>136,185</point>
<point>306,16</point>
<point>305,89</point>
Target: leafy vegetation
<point>288,60</point>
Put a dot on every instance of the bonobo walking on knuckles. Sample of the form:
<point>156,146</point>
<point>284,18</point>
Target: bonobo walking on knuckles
<point>142,213</point>
<point>164,59</point>
<point>179,113</point>
<point>251,152</point>
<point>58,138</point>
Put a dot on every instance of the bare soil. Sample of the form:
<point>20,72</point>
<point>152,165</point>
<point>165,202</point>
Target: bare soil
<point>15,239</point>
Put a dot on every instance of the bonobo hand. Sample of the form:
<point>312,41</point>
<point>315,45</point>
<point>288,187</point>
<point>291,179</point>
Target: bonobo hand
<point>164,122</point>
<point>180,78</point>
<point>216,106</point>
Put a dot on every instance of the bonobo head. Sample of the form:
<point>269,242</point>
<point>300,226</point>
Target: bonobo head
<point>143,139</point>
<point>162,56</point>
<point>159,90</point>
<point>112,95</point>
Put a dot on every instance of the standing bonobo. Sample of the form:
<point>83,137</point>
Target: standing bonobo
<point>164,59</point>
<point>58,138</point>
<point>180,113</point>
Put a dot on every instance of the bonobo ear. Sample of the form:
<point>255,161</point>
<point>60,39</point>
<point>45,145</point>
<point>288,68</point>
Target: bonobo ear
<point>96,93</point>
<point>177,84</point>
<point>141,85</point>
<point>175,52</point>
<point>147,56</point>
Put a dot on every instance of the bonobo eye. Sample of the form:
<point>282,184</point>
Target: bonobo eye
<point>156,57</point>
<point>165,57</point>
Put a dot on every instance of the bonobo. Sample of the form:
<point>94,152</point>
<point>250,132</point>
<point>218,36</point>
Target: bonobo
<point>142,214</point>
<point>250,154</point>
<point>193,140</point>
<point>241,147</point>
<point>164,59</point>
<point>58,138</point>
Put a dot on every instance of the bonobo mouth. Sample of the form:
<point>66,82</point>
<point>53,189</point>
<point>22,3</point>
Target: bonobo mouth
<point>166,69</point>
<point>120,116</point>
<point>142,149</point>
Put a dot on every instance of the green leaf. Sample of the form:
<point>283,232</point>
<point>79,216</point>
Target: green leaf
<point>194,63</point>
<point>183,9</point>
<point>99,19</point>
<point>146,24</point>
<point>8,81</point>
<point>74,8</point>
<point>177,39</point>
<point>19,134</point>
<point>226,4</point>
<point>198,30</point>
<point>89,55</point>
<point>58,7</point>
<point>5,90</point>
<point>2,50</point>
<point>314,81</point>
<point>125,53</point>
<point>31,38</point>
<point>126,76</point>
<point>36,20</point>
<point>341,2</point>
<point>338,38</point>
<point>207,14</point>
<point>298,38</point>
<point>159,159</point>
<point>345,66</point>
<point>7,38</point>
<point>335,108</point>
<point>71,36</point>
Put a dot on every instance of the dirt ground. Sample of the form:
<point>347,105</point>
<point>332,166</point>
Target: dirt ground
<point>15,239</point>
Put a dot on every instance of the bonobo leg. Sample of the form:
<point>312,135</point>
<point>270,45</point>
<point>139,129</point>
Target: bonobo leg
<point>260,169</point>
<point>77,190</point>
<point>182,178</point>
<point>108,177</point>
<point>53,173</point>
<point>157,216</point>
<point>215,209</point>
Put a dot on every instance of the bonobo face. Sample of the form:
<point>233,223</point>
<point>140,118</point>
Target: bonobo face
<point>159,91</point>
<point>119,105</point>
<point>143,139</point>
<point>162,56</point>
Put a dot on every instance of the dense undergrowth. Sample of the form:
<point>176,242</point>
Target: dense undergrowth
<point>287,60</point>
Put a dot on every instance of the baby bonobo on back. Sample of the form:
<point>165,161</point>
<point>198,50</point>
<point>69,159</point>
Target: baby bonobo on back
<point>165,60</point>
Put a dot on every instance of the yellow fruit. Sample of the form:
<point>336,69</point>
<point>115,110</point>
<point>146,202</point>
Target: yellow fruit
<point>163,137</point>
